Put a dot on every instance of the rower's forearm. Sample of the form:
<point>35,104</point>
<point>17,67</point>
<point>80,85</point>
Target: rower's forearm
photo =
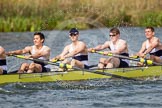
<point>17,52</point>
<point>147,51</point>
<point>99,47</point>
<point>68,55</point>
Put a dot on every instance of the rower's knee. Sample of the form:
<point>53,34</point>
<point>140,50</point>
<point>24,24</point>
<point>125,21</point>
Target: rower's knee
<point>1,71</point>
<point>102,60</point>
<point>24,64</point>
<point>110,65</point>
<point>32,65</point>
<point>101,63</point>
<point>73,62</point>
<point>77,63</point>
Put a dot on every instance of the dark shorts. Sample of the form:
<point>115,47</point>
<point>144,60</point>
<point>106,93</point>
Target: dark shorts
<point>4,72</point>
<point>123,64</point>
<point>81,58</point>
<point>86,66</point>
<point>3,62</point>
<point>157,53</point>
<point>44,69</point>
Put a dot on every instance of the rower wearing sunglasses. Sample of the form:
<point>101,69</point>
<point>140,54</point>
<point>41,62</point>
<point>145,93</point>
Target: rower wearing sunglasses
<point>75,53</point>
<point>115,46</point>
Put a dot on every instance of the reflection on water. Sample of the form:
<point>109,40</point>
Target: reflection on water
<point>87,94</point>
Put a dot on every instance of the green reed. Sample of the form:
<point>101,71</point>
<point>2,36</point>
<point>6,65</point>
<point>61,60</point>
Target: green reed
<point>36,15</point>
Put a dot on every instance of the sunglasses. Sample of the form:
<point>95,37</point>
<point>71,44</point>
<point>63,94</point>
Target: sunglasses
<point>73,34</point>
<point>112,35</point>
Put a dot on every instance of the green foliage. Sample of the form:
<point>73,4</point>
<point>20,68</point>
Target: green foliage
<point>36,15</point>
<point>152,19</point>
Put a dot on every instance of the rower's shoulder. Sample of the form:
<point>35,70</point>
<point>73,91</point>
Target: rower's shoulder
<point>1,48</point>
<point>46,47</point>
<point>156,39</point>
<point>28,48</point>
<point>81,42</point>
<point>122,41</point>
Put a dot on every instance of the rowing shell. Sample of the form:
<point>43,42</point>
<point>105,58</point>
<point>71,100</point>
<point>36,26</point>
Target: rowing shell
<point>132,73</point>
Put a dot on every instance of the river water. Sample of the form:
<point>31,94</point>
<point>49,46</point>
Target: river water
<point>79,94</point>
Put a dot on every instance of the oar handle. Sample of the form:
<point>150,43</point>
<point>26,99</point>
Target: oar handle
<point>134,56</point>
<point>149,62</point>
<point>63,65</point>
<point>56,60</point>
<point>101,52</point>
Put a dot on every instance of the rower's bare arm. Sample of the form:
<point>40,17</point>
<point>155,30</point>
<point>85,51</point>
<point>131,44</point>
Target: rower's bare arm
<point>100,47</point>
<point>61,56</point>
<point>103,46</point>
<point>27,49</point>
<point>1,50</point>
<point>46,52</point>
<point>153,45</point>
<point>80,48</point>
<point>65,51</point>
<point>21,51</point>
<point>143,48</point>
<point>14,52</point>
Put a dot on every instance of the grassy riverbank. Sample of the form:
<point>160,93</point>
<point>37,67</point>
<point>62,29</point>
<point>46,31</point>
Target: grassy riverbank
<point>35,15</point>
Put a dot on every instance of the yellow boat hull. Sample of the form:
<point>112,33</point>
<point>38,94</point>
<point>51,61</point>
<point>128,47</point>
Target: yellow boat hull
<point>125,73</point>
<point>49,77</point>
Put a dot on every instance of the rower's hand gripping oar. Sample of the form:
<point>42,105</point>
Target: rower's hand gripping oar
<point>133,58</point>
